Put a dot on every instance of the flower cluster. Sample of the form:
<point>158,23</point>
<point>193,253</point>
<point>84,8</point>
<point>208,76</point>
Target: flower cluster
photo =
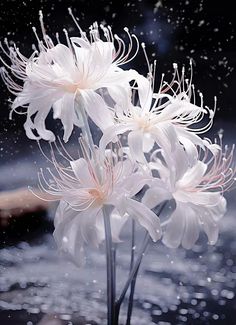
<point>150,141</point>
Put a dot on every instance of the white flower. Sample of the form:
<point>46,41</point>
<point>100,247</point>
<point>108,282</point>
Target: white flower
<point>85,188</point>
<point>66,78</point>
<point>197,191</point>
<point>165,117</point>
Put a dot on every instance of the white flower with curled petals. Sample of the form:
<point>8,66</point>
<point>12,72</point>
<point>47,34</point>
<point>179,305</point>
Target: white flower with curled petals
<point>197,191</point>
<point>68,78</point>
<point>85,188</point>
<point>166,118</point>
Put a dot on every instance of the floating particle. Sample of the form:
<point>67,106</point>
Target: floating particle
<point>201,22</point>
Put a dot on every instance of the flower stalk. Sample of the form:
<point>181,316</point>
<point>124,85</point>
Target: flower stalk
<point>85,128</point>
<point>110,269</point>
<point>134,269</point>
<point>132,286</point>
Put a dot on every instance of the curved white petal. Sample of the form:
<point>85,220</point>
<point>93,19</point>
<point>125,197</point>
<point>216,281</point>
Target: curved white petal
<point>63,56</point>
<point>165,136</point>
<point>28,125</point>
<point>39,122</point>
<point>144,92</point>
<point>75,229</point>
<point>110,135</point>
<point>135,142</point>
<point>155,196</point>
<point>220,209</point>
<point>116,76</point>
<point>192,228</point>
<point>79,42</point>
<point>102,53</point>
<point>96,108</point>
<point>64,109</point>
<point>121,95</point>
<point>213,147</point>
<point>197,197</point>
<point>117,222</point>
<point>148,142</point>
<point>204,198</point>
<point>145,217</point>
<point>21,100</point>
<point>181,162</point>
<point>42,108</point>
<point>66,233</point>
<point>190,149</point>
<point>191,136</point>
<point>193,175</point>
<point>80,168</point>
<point>175,228</point>
<point>211,228</point>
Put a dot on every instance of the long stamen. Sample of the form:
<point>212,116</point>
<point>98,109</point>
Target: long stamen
<point>76,22</point>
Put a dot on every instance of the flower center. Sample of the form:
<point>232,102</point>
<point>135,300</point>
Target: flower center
<point>98,195</point>
<point>71,88</point>
<point>143,122</point>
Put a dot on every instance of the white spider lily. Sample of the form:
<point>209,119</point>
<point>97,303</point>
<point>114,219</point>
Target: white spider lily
<point>85,188</point>
<point>197,191</point>
<point>67,78</point>
<point>166,117</point>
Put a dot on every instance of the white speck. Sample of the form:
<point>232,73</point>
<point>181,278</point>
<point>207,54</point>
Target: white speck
<point>201,22</point>
<point>65,239</point>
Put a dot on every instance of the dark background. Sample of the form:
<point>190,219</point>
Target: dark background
<point>172,30</point>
